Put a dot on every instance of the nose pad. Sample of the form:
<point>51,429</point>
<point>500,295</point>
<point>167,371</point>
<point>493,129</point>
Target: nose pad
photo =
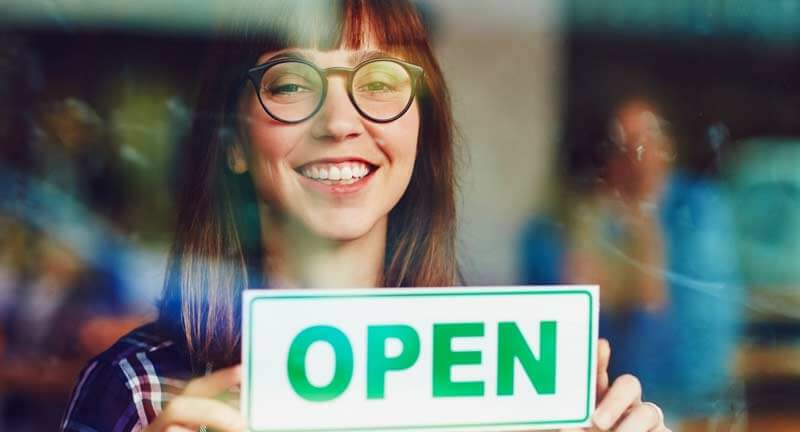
<point>337,119</point>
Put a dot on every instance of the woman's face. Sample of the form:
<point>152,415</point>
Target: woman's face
<point>287,161</point>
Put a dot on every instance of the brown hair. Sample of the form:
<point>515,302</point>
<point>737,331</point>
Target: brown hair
<point>217,250</point>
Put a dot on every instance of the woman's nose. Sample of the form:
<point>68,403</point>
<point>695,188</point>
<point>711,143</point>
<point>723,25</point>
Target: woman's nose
<point>337,119</point>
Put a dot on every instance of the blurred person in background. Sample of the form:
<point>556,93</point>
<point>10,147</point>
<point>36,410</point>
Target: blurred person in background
<point>659,242</point>
<point>283,184</point>
<point>619,218</point>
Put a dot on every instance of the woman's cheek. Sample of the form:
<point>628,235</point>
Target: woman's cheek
<point>269,140</point>
<point>399,138</point>
<point>269,165</point>
<point>271,143</point>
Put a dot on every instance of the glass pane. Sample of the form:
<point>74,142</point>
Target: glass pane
<point>649,147</point>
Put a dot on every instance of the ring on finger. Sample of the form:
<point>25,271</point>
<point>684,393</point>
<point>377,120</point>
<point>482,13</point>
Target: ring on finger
<point>658,411</point>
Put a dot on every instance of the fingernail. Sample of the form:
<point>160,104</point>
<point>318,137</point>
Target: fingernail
<point>602,420</point>
<point>241,425</point>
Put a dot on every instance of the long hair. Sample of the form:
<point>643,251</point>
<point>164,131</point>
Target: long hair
<point>217,250</point>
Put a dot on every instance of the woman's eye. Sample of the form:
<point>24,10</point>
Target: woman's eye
<point>287,89</point>
<point>377,86</point>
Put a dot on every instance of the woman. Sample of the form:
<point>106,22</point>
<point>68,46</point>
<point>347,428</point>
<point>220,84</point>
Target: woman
<point>328,161</point>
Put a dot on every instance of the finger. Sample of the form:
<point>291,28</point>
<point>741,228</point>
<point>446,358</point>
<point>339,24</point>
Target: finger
<point>194,412</point>
<point>641,418</point>
<point>660,425</point>
<point>575,429</point>
<point>603,355</point>
<point>178,428</point>
<point>214,383</point>
<point>589,429</point>
<point>603,359</point>
<point>623,393</point>
<point>232,397</point>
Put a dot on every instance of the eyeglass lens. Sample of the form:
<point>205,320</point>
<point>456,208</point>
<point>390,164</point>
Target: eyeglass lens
<point>292,91</point>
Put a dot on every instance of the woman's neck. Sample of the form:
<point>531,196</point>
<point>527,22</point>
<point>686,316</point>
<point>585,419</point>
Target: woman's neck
<point>297,258</point>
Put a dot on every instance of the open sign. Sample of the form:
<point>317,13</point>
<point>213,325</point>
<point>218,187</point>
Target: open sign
<point>499,358</point>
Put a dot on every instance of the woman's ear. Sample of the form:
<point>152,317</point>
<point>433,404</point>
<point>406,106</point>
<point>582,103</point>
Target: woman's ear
<point>236,160</point>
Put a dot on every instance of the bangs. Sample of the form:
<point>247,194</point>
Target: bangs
<point>393,27</point>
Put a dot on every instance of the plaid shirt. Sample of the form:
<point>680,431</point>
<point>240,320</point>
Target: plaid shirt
<point>127,386</point>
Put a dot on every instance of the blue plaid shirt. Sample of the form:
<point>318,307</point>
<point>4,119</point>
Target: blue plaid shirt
<point>127,386</point>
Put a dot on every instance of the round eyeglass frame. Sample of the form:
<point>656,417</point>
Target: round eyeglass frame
<point>256,73</point>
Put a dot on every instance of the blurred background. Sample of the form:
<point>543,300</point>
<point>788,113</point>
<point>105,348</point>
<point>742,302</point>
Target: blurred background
<point>649,146</point>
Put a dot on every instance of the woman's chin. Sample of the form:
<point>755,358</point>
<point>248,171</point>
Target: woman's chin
<point>342,227</point>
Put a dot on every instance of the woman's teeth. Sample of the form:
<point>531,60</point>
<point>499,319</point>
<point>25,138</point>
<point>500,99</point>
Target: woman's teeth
<point>343,173</point>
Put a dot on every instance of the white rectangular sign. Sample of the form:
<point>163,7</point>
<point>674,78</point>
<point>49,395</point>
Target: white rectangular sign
<point>419,359</point>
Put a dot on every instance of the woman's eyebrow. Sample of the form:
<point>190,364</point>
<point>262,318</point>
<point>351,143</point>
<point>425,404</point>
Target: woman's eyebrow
<point>362,56</point>
<point>354,58</point>
<point>288,54</point>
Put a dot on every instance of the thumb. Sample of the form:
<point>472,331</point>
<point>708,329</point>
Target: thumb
<point>214,383</point>
<point>603,358</point>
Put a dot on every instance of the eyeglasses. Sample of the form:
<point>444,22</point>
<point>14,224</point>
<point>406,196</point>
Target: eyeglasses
<point>292,90</point>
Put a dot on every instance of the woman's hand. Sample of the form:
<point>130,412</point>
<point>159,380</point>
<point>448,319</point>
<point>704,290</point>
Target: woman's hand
<point>196,407</point>
<point>620,405</point>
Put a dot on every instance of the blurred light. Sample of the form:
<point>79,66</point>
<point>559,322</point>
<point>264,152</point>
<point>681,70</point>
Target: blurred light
<point>773,21</point>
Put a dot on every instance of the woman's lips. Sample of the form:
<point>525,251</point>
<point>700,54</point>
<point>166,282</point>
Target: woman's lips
<point>338,172</point>
<point>337,178</point>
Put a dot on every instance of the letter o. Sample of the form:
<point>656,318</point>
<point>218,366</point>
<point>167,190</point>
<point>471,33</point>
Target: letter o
<point>296,363</point>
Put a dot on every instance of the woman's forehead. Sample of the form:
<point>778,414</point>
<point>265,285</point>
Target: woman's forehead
<point>356,37</point>
<point>329,58</point>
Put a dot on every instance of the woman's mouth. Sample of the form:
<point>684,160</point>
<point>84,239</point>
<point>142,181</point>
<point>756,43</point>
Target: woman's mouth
<point>341,173</point>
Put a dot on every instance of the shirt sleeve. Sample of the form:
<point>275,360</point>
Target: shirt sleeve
<point>101,401</point>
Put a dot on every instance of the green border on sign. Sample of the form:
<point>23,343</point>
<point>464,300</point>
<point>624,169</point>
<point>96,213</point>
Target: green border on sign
<point>388,293</point>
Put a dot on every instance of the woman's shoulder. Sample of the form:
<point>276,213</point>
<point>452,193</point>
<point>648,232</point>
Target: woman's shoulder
<point>129,383</point>
<point>145,351</point>
<point>147,341</point>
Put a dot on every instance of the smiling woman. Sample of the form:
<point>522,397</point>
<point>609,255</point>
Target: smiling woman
<point>244,202</point>
<point>300,122</point>
<point>321,155</point>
